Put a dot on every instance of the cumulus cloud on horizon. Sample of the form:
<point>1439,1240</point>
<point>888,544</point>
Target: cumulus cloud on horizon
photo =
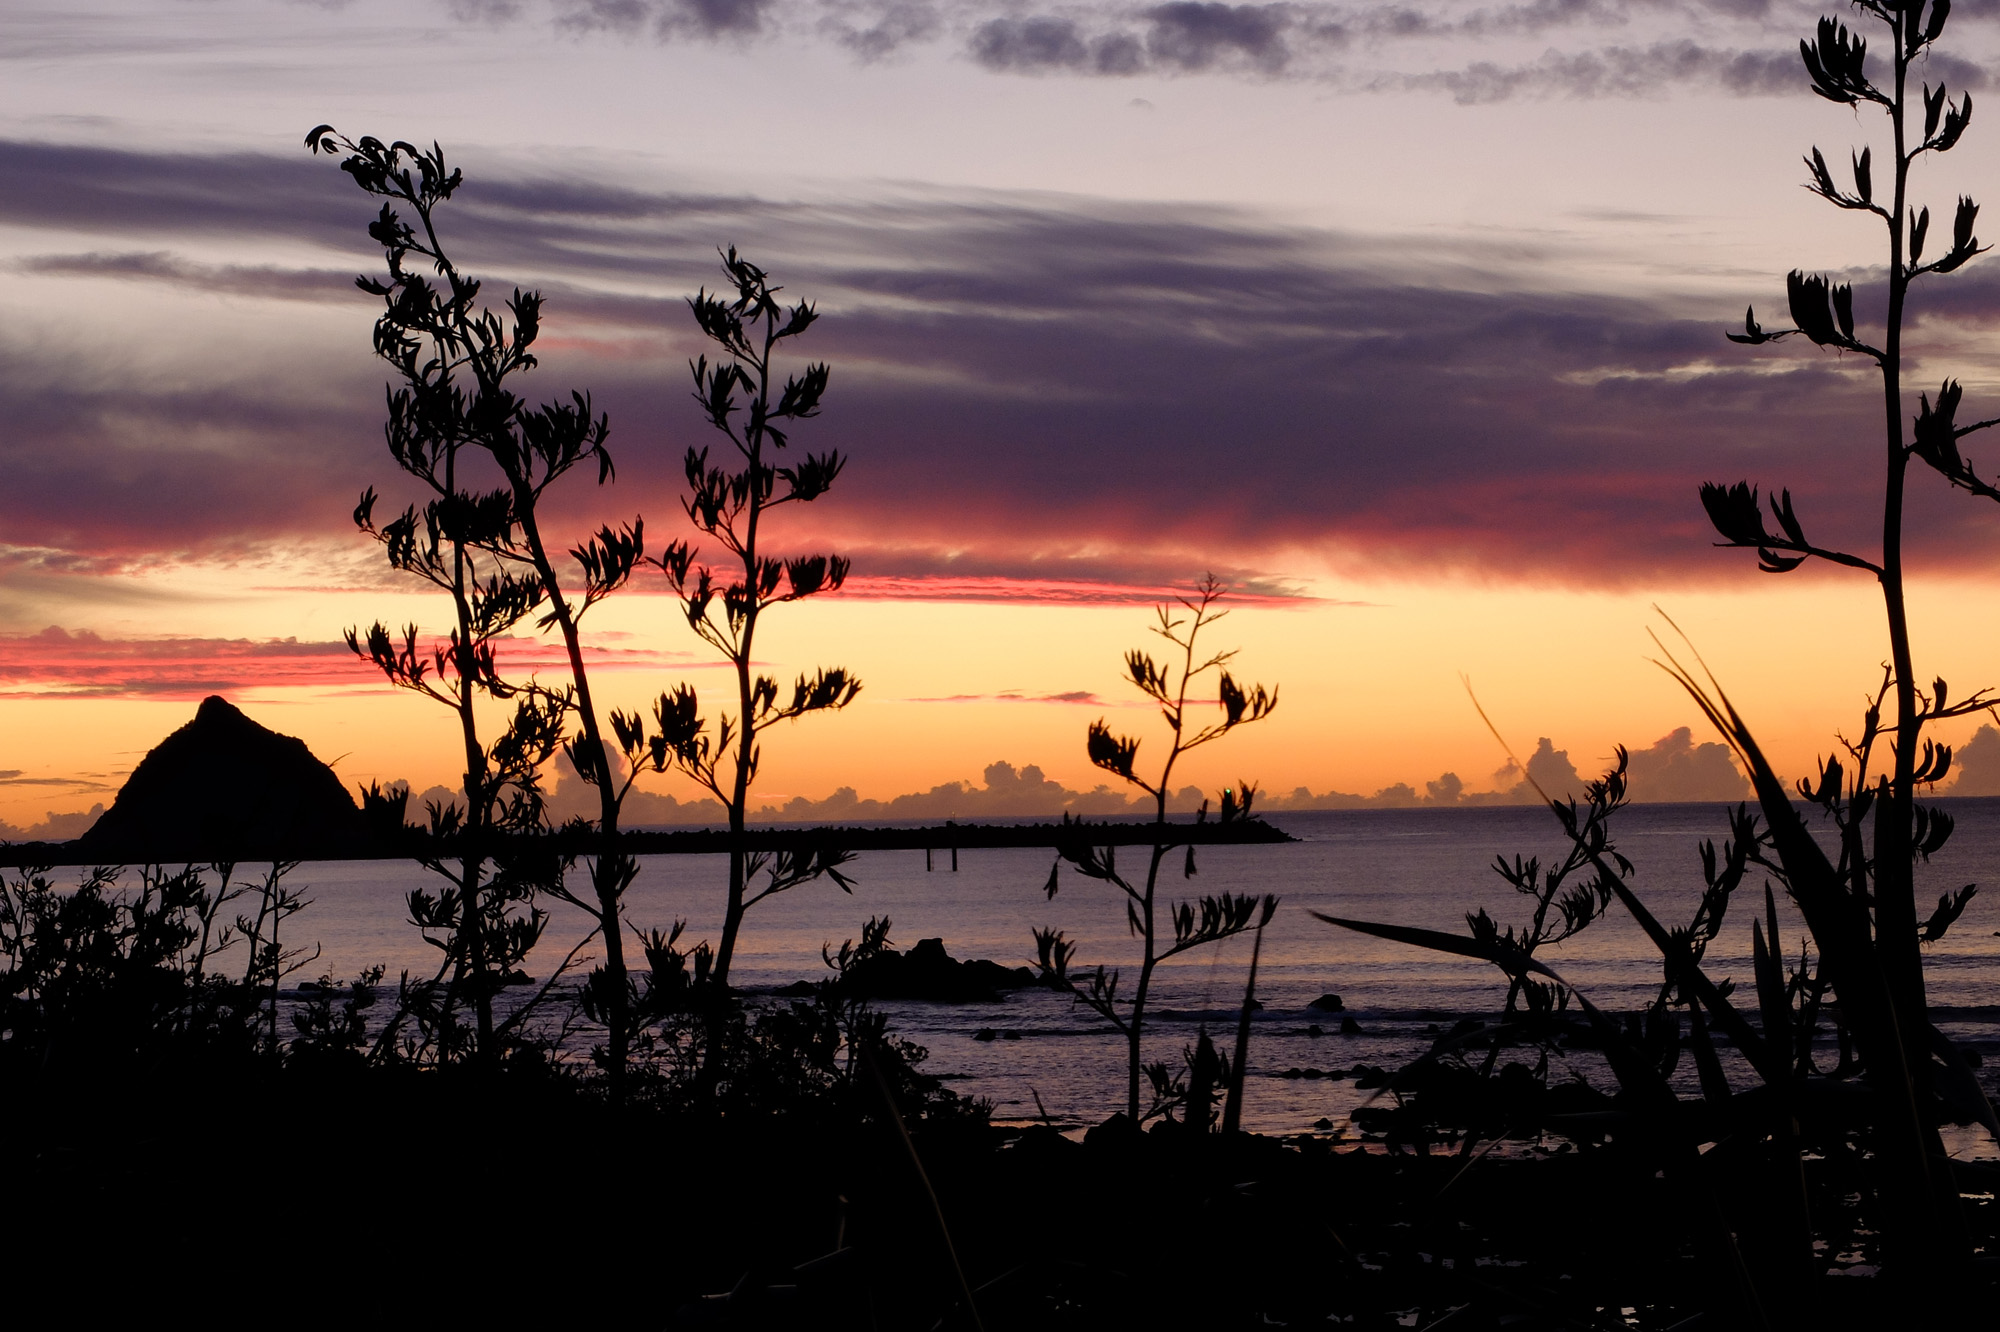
<point>1005,792</point>
<point>1977,765</point>
<point>53,827</point>
<point>1672,769</point>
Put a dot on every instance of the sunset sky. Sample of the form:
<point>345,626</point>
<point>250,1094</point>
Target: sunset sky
<point>1406,320</point>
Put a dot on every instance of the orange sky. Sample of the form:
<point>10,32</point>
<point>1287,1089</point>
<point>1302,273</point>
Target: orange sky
<point>1371,685</point>
<point>1413,331</point>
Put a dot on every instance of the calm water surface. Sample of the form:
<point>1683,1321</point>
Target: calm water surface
<point>1413,867</point>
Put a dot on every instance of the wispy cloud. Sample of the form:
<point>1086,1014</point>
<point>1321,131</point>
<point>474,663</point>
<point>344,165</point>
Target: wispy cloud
<point>1126,587</point>
<point>82,664</point>
<point>56,661</point>
<point>260,281</point>
<point>62,783</point>
<point>1072,696</point>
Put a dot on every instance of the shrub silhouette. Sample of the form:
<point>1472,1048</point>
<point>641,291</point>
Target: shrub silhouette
<point>96,982</point>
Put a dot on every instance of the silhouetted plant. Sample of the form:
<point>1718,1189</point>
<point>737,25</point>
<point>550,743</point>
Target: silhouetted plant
<point>1862,907</point>
<point>1192,924</point>
<point>270,961</point>
<point>1755,1142</point>
<point>1565,898</point>
<point>1824,313</point>
<point>99,981</point>
<point>1203,1075</point>
<point>801,1058</point>
<point>1237,1066</point>
<point>331,1020</point>
<point>385,813</point>
<point>457,361</point>
<point>1859,903</point>
<point>729,503</point>
<point>1759,1143</point>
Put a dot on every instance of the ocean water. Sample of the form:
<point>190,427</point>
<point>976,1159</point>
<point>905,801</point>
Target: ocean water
<point>1415,867</point>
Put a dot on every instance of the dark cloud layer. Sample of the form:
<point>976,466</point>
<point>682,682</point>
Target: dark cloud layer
<point>1347,47</point>
<point>1270,40</point>
<point>664,19</point>
<point>1028,389</point>
<point>1184,36</point>
<point>1614,71</point>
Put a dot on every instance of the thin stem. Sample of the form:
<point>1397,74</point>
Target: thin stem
<point>1895,894</point>
<point>608,870</point>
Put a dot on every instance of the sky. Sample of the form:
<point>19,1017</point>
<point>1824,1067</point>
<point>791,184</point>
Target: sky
<point>1404,320</point>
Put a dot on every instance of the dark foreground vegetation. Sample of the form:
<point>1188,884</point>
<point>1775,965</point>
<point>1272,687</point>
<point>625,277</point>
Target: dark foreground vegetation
<point>332,1196</point>
<point>180,1128</point>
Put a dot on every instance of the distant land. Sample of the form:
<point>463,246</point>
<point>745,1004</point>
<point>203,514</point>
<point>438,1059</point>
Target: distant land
<point>224,787</point>
<point>1673,769</point>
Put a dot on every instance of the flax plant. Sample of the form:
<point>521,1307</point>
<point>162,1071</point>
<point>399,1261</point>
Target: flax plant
<point>1858,899</point>
<point>457,362</point>
<point>1862,905</point>
<point>730,502</point>
<point>1187,925</point>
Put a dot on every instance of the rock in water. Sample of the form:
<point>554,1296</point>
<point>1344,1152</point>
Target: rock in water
<point>929,973</point>
<point>224,788</point>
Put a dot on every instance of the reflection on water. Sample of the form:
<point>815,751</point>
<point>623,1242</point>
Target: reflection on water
<point>1414,867</point>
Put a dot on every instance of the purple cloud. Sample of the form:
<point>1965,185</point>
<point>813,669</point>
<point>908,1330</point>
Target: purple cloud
<point>1061,399</point>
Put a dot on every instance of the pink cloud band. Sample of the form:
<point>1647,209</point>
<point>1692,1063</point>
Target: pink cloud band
<point>59,663</point>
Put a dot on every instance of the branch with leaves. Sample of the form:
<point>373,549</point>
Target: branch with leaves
<point>1918,124</point>
<point>729,502</point>
<point>456,409</point>
<point>1207,920</point>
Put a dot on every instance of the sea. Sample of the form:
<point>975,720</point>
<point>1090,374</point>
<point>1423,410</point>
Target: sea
<point>1043,1057</point>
